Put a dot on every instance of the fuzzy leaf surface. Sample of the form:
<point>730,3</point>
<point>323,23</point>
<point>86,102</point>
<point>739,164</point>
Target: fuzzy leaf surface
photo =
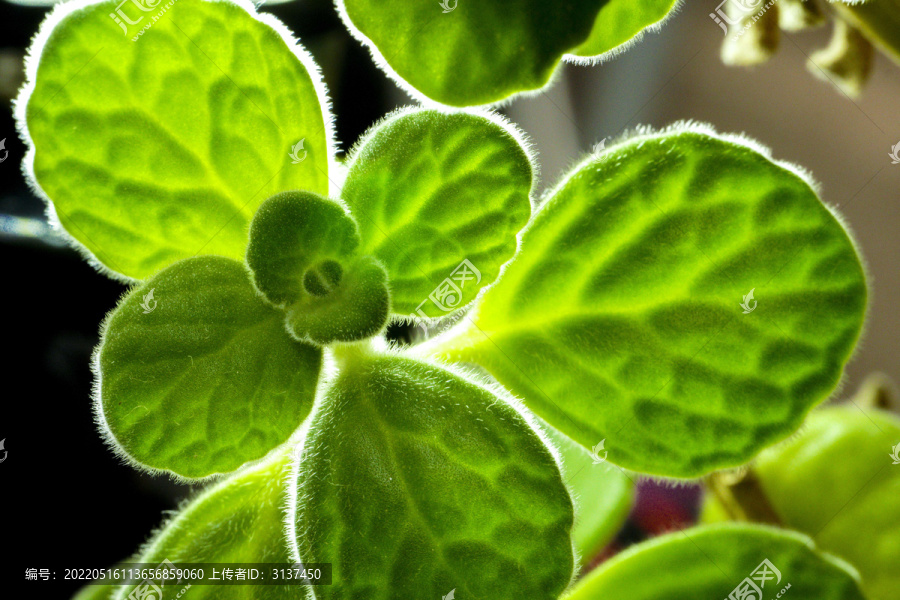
<point>622,316</point>
<point>464,53</point>
<point>480,52</point>
<point>208,379</point>
<point>239,520</point>
<point>303,256</point>
<point>430,190</point>
<point>416,482</point>
<point>159,149</point>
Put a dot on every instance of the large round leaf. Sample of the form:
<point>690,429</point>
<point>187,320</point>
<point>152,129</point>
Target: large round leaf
<point>196,373</point>
<point>157,141</point>
<point>415,482</point>
<point>680,296</point>
<point>463,53</point>
<point>478,53</point>
<point>722,561</point>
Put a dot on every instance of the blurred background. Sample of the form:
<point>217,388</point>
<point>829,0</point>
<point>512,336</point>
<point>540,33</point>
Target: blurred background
<point>74,500</point>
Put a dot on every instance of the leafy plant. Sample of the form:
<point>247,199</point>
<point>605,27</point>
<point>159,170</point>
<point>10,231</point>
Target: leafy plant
<point>195,160</point>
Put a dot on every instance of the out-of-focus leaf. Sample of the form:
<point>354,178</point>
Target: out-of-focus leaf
<point>716,561</point>
<point>879,20</point>
<point>239,520</point>
<point>602,493</point>
<point>431,190</point>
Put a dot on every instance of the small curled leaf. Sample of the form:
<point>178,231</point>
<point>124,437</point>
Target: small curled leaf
<point>303,257</point>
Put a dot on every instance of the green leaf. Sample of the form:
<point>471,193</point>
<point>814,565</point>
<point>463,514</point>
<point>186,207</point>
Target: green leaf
<point>416,482</point>
<point>359,310</point>
<point>303,256</point>
<point>621,317</point>
<point>624,21</point>
<point>845,450</point>
<point>479,53</point>
<point>430,190</point>
<point>239,520</point>
<point>602,493</point>
<point>879,20</point>
<point>197,375</point>
<point>159,149</point>
<point>484,52</point>
<point>711,561</point>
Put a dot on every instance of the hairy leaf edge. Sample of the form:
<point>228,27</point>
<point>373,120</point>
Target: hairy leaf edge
<point>710,529</point>
<point>109,438</point>
<point>590,61</point>
<point>509,127</point>
<point>184,508</point>
<point>431,347</point>
<point>457,337</point>
<point>382,63</point>
<point>32,61</point>
<point>329,373</point>
<point>494,117</point>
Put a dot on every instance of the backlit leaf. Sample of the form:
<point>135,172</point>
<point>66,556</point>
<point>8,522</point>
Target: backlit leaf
<point>463,53</point>
<point>239,520</point>
<point>204,378</point>
<point>621,21</point>
<point>159,144</point>
<point>430,190</point>
<point>416,482</point>
<point>681,296</point>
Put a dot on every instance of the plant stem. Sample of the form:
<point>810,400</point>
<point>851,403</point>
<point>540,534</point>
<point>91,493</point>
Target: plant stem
<point>743,498</point>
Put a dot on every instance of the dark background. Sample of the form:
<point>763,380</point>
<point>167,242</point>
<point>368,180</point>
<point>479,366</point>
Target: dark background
<point>67,498</point>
